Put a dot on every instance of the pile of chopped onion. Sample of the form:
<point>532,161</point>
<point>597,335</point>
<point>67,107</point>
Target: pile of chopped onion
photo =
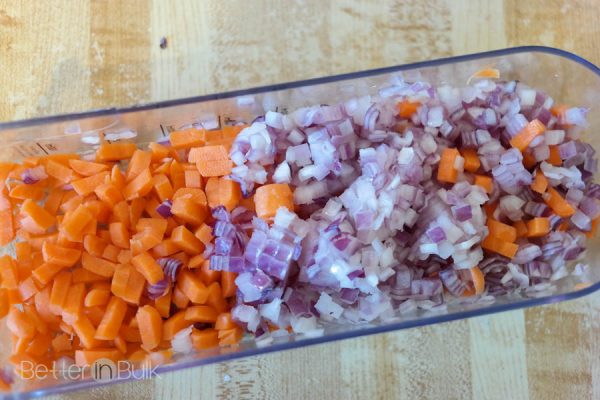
<point>375,234</point>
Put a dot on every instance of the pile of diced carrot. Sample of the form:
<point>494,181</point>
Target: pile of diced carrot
<point>87,239</point>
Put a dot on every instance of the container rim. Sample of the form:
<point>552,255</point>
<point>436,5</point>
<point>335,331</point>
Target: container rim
<point>434,319</point>
<point>295,84</point>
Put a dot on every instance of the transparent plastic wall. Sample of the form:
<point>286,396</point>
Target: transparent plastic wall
<point>566,77</point>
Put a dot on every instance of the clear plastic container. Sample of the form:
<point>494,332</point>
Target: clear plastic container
<point>565,76</point>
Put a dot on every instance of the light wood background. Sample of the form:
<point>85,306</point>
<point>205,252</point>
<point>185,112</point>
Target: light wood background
<point>65,56</point>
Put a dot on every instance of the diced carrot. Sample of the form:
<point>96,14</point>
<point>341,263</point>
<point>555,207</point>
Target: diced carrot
<point>87,185</point>
<point>522,139</point>
<point>215,297</point>
<point>100,210</point>
<point>472,162</point>
<point>4,303</point>
<point>554,158</point>
<point>24,191</point>
<point>446,168</point>
<point>208,275</point>
<point>86,358</point>
<point>113,318</point>
<point>39,323</point>
<point>407,109</point>
<point>120,344</point>
<point>7,228</point>
<point>204,339</point>
<point>159,152</point>
<point>189,210</point>
<point>96,297</point>
<point>248,203</point>
<point>151,206</point>
<point>119,234</point>
<point>558,204</point>
<point>224,321</point>
<point>485,182</point>
<point>139,186</point>
<point>20,323</point>
<point>477,279</point>
<point>139,162</point>
<point>136,209</point>
<point>60,255</point>
<point>225,192</point>
<point>186,240</point>
<point>201,314</point>
<point>162,169</point>
<point>558,110</point>
<point>521,228</point>
<point>148,267</point>
<point>70,201</point>
<point>198,196</point>
<point>115,151</point>
<point>192,179</point>
<point>124,256</point>
<point>59,292</point>
<point>61,343</point>
<point>95,314</point>
<point>87,168</point>
<point>121,213</point>
<point>191,285</point>
<point>59,171</point>
<point>165,248</point>
<point>538,227</point>
<point>98,265</point>
<point>177,175</point>
<point>111,253</point>
<point>195,261</point>
<point>39,345</point>
<point>109,193</point>
<point>73,304</point>
<point>82,275</point>
<point>500,230</point>
<point>174,324</point>
<point>40,216</point>
<point>162,187</point>
<point>8,272</point>
<point>94,245</point>
<point>128,283</point>
<point>151,326</point>
<point>179,299</point>
<point>204,233</point>
<point>46,272</point>
<point>163,304</point>
<point>211,160</point>
<point>187,138</point>
<point>28,288</point>
<point>540,183</point>
<point>84,329</point>
<point>144,241</point>
<point>53,201</point>
<point>500,246</point>
<point>157,226</point>
<point>489,73</point>
<point>230,336</point>
<point>42,306</point>
<point>117,178</point>
<point>268,199</point>
<point>228,283</point>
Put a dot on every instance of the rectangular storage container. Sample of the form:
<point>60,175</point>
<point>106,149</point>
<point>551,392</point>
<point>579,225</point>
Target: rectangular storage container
<point>564,76</point>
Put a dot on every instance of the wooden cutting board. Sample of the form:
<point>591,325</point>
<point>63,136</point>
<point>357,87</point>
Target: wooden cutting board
<point>65,56</point>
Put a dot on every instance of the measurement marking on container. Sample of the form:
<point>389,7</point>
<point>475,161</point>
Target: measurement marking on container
<point>162,130</point>
<point>41,147</point>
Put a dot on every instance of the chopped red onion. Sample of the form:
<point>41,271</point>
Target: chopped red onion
<point>34,175</point>
<point>164,209</point>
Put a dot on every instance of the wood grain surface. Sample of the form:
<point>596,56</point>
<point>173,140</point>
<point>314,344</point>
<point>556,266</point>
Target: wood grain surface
<point>66,56</point>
